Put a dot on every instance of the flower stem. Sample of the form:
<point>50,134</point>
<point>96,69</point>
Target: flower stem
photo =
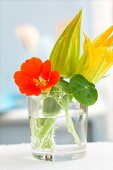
<point>42,132</point>
<point>70,127</point>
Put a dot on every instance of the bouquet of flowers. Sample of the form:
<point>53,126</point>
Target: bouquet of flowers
<point>67,76</point>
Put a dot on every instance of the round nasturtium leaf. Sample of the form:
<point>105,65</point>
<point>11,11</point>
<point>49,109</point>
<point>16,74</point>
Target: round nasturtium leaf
<point>83,90</point>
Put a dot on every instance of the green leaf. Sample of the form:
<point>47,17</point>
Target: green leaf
<point>66,52</point>
<point>83,90</point>
<point>64,85</point>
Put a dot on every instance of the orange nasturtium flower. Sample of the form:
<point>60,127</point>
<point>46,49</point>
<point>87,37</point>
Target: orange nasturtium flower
<point>35,77</point>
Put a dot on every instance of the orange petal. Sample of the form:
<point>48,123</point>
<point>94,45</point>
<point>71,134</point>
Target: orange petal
<point>46,70</point>
<point>54,78</point>
<point>21,78</point>
<point>32,67</point>
<point>30,91</point>
<point>26,85</point>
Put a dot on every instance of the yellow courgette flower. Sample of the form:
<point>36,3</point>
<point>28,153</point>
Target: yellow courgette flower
<point>66,52</point>
<point>97,56</point>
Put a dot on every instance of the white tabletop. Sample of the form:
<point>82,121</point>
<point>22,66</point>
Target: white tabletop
<point>18,157</point>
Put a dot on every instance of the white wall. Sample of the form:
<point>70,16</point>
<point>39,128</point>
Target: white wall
<point>43,14</point>
<point>102,17</point>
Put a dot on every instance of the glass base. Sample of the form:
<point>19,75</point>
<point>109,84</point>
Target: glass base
<point>60,153</point>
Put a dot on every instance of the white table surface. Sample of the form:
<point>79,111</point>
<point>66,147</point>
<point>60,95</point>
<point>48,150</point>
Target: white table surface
<point>18,157</point>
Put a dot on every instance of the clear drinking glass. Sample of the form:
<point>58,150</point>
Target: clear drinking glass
<point>58,127</point>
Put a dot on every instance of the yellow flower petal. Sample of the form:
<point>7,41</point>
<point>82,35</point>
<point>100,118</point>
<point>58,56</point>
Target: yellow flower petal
<point>103,37</point>
<point>66,52</point>
<point>108,42</point>
<point>95,61</point>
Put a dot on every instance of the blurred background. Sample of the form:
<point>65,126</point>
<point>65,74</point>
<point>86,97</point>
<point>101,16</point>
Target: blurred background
<point>30,28</point>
